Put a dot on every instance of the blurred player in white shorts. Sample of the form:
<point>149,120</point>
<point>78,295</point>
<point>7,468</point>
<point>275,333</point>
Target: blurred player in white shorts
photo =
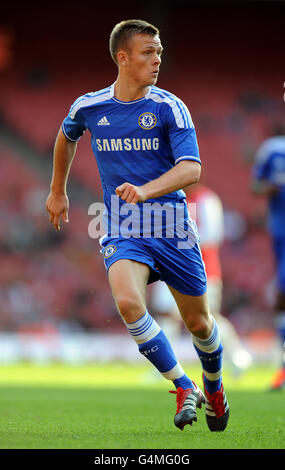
<point>206,208</point>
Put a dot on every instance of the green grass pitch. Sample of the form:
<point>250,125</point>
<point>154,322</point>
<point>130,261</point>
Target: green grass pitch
<point>117,406</point>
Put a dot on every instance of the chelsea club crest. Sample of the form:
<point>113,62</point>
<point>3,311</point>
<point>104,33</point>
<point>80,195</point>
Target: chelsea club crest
<point>109,251</point>
<point>147,121</point>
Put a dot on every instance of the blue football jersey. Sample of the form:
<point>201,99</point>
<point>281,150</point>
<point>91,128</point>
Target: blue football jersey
<point>270,167</point>
<point>135,141</point>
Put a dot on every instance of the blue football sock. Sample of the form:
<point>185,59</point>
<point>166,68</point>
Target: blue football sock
<point>183,382</point>
<point>154,345</point>
<point>210,352</point>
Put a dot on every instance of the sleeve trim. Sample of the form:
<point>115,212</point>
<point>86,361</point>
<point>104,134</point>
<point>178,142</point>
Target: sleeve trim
<point>67,136</point>
<point>195,159</point>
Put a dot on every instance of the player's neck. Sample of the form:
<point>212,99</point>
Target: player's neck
<point>126,90</point>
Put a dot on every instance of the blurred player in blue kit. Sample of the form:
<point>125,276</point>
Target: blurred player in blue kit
<point>145,145</point>
<point>269,181</point>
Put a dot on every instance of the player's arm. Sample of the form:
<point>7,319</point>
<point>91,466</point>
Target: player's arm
<point>57,203</point>
<point>183,174</point>
<point>263,181</point>
<point>263,188</point>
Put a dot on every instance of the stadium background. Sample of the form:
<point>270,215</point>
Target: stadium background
<point>225,60</point>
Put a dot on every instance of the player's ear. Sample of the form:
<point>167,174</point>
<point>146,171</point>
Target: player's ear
<point>122,58</point>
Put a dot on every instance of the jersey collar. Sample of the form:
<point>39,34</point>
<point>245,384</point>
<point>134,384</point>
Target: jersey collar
<point>128,102</point>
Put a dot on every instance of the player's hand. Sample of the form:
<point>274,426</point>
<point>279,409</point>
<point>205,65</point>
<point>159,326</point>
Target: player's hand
<point>57,206</point>
<point>130,193</point>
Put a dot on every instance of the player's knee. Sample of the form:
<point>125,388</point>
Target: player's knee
<point>130,307</point>
<point>200,324</point>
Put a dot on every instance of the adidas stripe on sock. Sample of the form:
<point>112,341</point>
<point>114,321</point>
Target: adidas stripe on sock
<point>210,353</point>
<point>154,345</point>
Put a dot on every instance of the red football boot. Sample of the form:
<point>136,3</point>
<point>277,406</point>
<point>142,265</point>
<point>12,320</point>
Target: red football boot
<point>187,401</point>
<point>217,409</point>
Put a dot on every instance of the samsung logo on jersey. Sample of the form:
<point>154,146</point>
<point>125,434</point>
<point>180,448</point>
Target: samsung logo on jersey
<point>116,145</point>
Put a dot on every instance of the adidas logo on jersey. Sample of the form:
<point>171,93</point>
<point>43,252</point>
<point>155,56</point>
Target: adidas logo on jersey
<point>103,122</point>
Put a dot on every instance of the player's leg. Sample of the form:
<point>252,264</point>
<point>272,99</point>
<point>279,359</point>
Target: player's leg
<point>206,339</point>
<point>183,270</point>
<point>278,380</point>
<point>128,280</point>
<point>166,313</point>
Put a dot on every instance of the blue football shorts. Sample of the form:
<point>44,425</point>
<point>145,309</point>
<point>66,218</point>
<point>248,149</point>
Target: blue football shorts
<point>279,251</point>
<point>182,269</point>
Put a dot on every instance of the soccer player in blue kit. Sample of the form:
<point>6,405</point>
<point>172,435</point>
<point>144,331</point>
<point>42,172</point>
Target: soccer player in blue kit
<point>269,181</point>
<point>146,150</point>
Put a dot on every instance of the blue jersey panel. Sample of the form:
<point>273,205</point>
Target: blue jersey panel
<point>270,167</point>
<point>279,251</point>
<point>135,142</point>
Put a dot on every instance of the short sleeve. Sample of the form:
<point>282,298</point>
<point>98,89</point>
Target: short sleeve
<point>263,164</point>
<point>182,134</point>
<point>74,126</point>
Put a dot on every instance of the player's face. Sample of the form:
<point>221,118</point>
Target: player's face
<point>144,58</point>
